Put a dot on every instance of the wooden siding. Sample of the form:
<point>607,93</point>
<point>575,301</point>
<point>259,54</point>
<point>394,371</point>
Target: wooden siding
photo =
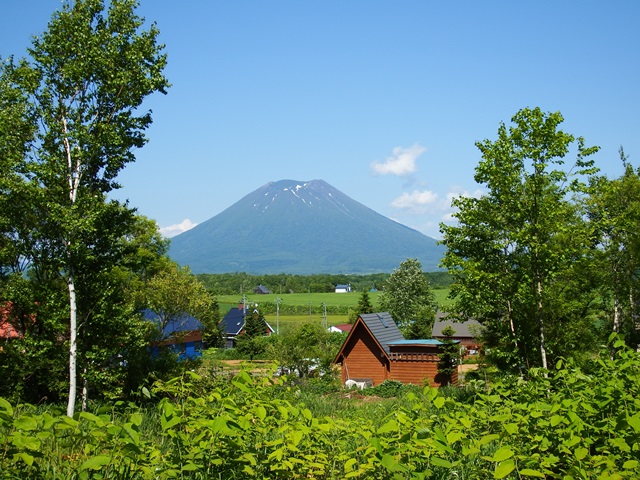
<point>414,371</point>
<point>363,358</point>
<point>418,369</point>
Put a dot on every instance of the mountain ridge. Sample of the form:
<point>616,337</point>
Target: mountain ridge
<point>295,227</point>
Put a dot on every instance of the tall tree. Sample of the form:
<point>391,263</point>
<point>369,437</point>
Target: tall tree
<point>407,296</point>
<point>364,306</point>
<point>614,210</point>
<point>449,356</point>
<point>510,245</point>
<point>85,83</point>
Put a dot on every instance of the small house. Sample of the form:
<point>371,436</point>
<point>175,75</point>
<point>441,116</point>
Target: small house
<point>232,325</point>
<point>343,288</point>
<point>340,328</point>
<point>375,350</point>
<point>183,335</point>
<point>261,290</point>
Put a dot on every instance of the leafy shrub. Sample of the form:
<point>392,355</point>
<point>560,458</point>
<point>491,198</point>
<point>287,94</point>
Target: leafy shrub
<point>569,423</point>
<point>387,389</point>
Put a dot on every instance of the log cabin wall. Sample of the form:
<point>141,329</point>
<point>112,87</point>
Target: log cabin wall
<point>412,369</point>
<point>363,359</point>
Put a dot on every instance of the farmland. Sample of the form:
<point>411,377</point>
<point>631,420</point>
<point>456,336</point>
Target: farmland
<point>314,302</point>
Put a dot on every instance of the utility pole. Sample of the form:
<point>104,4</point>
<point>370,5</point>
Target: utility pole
<point>324,317</point>
<point>278,302</point>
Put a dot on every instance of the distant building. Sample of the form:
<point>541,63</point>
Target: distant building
<point>183,335</point>
<point>232,325</point>
<point>467,333</point>
<point>261,290</point>
<point>343,288</point>
<point>341,328</point>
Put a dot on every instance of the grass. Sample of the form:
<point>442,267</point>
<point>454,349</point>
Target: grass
<point>289,322</point>
<point>314,299</point>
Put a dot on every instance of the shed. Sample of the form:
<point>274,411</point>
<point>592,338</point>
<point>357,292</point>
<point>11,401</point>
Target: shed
<point>341,328</point>
<point>375,350</point>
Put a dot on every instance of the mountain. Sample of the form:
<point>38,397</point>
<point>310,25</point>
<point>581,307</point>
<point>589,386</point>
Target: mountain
<point>301,228</point>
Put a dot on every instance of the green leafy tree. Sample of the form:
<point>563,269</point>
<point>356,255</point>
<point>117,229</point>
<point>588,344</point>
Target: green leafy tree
<point>407,295</point>
<point>174,295</point>
<point>422,324</point>
<point>614,211</point>
<point>364,306</point>
<point>513,247</point>
<point>308,347</point>
<point>83,86</point>
<point>250,340</point>
<point>449,356</point>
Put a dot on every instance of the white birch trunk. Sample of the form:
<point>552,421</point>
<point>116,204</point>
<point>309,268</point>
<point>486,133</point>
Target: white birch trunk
<point>85,390</point>
<point>543,350</point>
<point>71,405</point>
<point>74,182</point>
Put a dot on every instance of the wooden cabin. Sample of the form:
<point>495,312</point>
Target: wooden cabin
<point>375,350</point>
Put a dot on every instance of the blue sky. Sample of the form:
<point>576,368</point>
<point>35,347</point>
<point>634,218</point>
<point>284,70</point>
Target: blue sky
<point>384,100</point>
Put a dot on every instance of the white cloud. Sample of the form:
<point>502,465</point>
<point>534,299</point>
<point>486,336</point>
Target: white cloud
<point>415,201</point>
<point>173,230</point>
<point>459,192</point>
<point>402,162</point>
<point>448,217</point>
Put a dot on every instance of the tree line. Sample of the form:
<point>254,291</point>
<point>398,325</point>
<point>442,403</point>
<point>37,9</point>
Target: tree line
<point>240,282</point>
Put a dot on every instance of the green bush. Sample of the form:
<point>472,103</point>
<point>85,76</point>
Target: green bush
<point>566,424</point>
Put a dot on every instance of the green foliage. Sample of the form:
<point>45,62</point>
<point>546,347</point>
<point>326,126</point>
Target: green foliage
<point>518,250</point>
<point>306,350</point>
<point>387,389</point>
<point>449,355</point>
<point>240,283</point>
<point>407,296</point>
<point>364,306</point>
<point>252,341</point>
<point>174,293</point>
<point>613,207</point>
<point>574,423</point>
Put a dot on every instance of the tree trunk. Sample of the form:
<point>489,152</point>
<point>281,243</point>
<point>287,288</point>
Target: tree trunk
<point>543,350</point>
<point>71,405</point>
<point>85,389</point>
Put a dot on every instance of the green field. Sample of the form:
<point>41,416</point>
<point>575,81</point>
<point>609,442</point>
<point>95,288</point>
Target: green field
<point>313,300</point>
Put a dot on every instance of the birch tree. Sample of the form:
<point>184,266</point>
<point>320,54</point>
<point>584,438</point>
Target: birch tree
<point>614,210</point>
<point>511,244</point>
<point>85,81</point>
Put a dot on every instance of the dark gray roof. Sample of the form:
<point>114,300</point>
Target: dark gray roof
<point>470,328</point>
<point>233,321</point>
<point>383,328</point>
